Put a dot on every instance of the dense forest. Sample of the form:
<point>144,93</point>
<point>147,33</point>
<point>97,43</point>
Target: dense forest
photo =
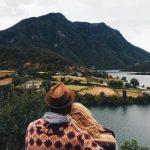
<point>12,58</point>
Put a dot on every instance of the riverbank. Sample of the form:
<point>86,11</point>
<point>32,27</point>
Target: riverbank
<point>144,79</point>
<point>90,90</point>
<point>128,122</point>
<point>101,100</point>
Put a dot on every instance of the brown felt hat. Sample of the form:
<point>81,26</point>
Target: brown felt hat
<point>59,96</point>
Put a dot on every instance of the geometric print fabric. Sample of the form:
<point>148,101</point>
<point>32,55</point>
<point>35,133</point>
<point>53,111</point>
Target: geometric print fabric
<point>38,137</point>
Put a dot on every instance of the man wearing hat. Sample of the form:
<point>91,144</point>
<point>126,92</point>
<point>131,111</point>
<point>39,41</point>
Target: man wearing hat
<point>54,130</point>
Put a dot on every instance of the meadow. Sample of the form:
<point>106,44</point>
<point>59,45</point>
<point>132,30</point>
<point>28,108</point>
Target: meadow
<point>95,88</point>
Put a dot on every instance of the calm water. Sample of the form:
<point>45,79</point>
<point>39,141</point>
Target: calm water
<point>143,79</point>
<point>129,122</point>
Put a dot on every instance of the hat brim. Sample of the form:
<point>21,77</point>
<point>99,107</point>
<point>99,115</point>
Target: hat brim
<point>71,97</point>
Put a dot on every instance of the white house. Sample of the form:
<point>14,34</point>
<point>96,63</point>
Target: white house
<point>31,84</point>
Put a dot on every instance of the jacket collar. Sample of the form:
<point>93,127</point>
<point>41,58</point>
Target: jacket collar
<point>51,123</point>
<point>54,119</point>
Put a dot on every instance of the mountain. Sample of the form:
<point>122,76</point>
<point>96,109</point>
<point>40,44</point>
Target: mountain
<point>143,67</point>
<point>88,44</point>
<point>18,57</point>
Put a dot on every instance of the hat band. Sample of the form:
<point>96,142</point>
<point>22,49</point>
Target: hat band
<point>61,103</point>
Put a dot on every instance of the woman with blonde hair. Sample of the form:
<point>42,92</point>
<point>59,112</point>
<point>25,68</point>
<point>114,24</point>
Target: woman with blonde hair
<point>83,121</point>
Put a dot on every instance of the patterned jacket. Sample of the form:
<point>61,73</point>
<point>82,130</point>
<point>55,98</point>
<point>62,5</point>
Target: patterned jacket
<point>54,132</point>
<point>107,140</point>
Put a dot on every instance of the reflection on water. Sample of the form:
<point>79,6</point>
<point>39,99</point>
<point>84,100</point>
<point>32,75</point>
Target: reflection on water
<point>128,122</point>
<point>124,110</point>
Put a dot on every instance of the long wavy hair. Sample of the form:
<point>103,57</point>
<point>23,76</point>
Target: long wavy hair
<point>83,121</point>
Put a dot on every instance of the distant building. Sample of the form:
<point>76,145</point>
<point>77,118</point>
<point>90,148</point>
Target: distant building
<point>58,73</point>
<point>31,85</point>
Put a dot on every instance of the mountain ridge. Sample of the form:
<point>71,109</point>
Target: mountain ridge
<point>143,67</point>
<point>88,44</point>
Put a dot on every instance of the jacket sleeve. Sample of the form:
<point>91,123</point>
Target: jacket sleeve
<point>28,136</point>
<point>89,144</point>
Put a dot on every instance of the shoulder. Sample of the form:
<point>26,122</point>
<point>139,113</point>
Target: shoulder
<point>107,139</point>
<point>35,123</point>
<point>109,131</point>
<point>107,136</point>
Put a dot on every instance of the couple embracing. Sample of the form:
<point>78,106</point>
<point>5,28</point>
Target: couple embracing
<point>68,126</point>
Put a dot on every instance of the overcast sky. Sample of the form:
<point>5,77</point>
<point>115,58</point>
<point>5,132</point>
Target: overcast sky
<point>130,17</point>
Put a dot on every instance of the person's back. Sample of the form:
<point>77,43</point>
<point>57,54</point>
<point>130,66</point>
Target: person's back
<point>54,130</point>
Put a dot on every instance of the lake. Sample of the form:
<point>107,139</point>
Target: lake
<point>143,79</point>
<point>128,122</point>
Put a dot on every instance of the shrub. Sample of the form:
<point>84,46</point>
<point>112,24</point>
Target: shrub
<point>115,84</point>
<point>134,82</point>
<point>46,84</point>
<point>16,115</point>
<point>132,145</point>
<point>19,80</point>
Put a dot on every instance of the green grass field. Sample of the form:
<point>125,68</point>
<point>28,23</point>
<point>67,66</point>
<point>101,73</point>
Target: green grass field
<point>76,87</point>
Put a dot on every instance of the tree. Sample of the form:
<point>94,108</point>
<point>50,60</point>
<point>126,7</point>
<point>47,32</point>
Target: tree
<point>31,71</point>
<point>123,79</point>
<point>46,84</point>
<point>63,79</point>
<point>124,94</point>
<point>102,94</point>
<point>20,72</point>
<point>143,86</point>
<point>19,80</point>
<point>132,145</point>
<point>127,85</point>
<point>117,77</point>
<point>101,81</point>
<point>148,88</point>
<point>76,82</point>
<point>115,84</point>
<point>49,75</point>
<point>16,115</point>
<point>134,82</point>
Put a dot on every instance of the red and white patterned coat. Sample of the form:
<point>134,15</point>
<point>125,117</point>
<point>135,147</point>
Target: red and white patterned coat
<point>41,135</point>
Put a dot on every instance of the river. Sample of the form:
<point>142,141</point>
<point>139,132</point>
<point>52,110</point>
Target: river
<point>143,79</point>
<point>128,122</point>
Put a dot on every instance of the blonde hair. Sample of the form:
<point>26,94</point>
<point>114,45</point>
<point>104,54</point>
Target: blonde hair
<point>83,121</point>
